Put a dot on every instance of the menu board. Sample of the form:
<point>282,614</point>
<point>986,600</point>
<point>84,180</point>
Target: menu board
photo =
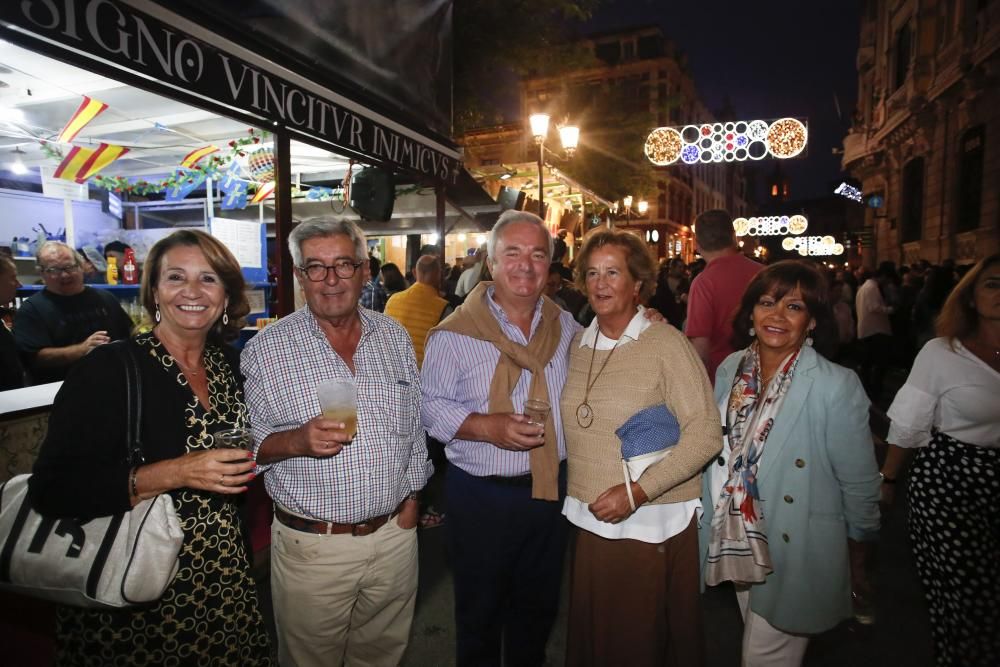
<point>244,239</point>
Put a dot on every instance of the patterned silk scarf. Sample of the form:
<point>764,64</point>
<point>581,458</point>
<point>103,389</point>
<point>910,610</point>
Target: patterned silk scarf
<point>738,548</point>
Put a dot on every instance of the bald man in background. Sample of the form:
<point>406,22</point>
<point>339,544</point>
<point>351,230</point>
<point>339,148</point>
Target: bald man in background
<point>59,325</point>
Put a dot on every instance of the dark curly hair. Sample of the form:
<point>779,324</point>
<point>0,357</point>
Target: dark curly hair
<point>779,279</point>
<point>220,259</point>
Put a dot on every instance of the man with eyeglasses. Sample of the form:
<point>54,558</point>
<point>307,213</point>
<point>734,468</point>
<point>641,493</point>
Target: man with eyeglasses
<point>343,543</point>
<point>66,320</point>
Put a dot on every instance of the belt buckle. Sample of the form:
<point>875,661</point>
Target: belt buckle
<point>362,529</point>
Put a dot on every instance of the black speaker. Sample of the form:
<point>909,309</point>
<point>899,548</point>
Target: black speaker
<point>373,192</point>
<point>510,198</point>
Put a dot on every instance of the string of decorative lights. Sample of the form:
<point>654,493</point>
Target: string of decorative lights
<point>773,225</point>
<point>813,245</point>
<point>726,142</point>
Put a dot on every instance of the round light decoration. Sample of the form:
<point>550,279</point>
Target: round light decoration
<point>813,245</point>
<point>729,142</point>
<point>786,138</point>
<point>663,146</point>
<point>773,225</point>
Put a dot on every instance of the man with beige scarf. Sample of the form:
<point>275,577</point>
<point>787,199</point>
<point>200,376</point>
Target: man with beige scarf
<point>507,478</point>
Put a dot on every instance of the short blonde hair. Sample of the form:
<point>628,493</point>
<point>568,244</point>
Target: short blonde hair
<point>639,260</point>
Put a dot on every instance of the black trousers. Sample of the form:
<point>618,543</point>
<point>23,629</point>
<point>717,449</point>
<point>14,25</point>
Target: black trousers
<point>875,358</point>
<point>507,554</point>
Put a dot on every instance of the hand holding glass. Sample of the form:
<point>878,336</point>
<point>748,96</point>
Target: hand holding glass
<point>338,399</point>
<point>234,438</point>
<point>536,411</point>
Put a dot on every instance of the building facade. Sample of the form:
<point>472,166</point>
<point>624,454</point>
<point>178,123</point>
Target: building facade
<point>647,83</point>
<point>926,132</point>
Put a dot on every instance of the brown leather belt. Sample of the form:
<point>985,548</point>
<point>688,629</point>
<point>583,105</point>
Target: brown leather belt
<point>329,528</point>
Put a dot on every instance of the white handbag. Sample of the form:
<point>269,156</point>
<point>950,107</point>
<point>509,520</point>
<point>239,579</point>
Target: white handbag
<point>111,562</point>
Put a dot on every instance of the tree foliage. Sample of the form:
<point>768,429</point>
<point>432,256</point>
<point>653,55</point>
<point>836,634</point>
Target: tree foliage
<point>496,41</point>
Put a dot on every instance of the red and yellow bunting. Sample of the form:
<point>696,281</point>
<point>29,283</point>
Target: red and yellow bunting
<point>82,163</point>
<point>88,111</point>
<point>263,192</point>
<point>192,158</point>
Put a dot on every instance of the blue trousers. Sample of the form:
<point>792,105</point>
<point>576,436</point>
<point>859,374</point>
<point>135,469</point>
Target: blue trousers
<point>506,552</point>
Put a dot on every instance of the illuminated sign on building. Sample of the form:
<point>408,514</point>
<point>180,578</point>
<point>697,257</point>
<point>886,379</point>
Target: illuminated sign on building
<point>774,225</point>
<point>726,142</point>
<point>813,245</point>
<point>849,191</point>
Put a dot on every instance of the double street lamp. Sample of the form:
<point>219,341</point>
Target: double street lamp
<point>642,206</point>
<point>569,135</point>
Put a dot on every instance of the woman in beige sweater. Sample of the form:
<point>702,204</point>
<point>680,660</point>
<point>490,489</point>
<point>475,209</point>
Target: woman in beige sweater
<point>635,592</point>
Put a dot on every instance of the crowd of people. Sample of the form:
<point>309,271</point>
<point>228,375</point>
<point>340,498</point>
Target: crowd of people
<point>703,425</point>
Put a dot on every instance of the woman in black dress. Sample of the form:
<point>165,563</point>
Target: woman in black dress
<point>191,389</point>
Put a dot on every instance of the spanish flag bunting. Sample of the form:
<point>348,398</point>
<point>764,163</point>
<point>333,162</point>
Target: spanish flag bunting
<point>88,111</point>
<point>82,163</point>
<point>192,158</point>
<point>263,192</point>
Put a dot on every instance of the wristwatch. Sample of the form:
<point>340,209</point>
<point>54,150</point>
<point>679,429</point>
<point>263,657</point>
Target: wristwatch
<point>887,480</point>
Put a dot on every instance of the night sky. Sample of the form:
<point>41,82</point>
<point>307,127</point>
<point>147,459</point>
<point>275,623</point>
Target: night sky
<point>772,58</point>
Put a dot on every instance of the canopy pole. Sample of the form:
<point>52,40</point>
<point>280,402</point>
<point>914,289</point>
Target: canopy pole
<point>439,191</point>
<point>283,223</point>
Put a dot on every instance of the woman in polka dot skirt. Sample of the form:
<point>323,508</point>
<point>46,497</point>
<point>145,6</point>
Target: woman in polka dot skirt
<point>949,414</point>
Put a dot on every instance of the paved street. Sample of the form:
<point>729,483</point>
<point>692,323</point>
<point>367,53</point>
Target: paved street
<point>900,634</point>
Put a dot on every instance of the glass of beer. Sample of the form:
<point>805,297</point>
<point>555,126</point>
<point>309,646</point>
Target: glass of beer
<point>536,411</point>
<point>338,399</point>
<point>234,438</point>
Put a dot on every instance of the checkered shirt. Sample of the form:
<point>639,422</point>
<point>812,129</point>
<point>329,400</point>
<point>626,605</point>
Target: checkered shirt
<point>387,460</point>
<point>373,296</point>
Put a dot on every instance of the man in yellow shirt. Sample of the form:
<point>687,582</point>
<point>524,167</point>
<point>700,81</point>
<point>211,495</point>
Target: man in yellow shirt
<point>420,307</point>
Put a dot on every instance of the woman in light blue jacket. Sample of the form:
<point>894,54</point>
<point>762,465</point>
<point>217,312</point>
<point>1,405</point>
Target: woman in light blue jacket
<point>797,475</point>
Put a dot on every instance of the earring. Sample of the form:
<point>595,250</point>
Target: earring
<point>225,318</point>
<point>156,315</point>
<point>809,338</point>
<point>752,332</point>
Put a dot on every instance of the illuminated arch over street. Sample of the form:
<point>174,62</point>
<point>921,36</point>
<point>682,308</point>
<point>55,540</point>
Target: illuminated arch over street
<point>727,142</point>
<point>773,225</point>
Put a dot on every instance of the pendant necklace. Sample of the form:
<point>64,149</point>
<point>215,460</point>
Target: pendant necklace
<point>585,413</point>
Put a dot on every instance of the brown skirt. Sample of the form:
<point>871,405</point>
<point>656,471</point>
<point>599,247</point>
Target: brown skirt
<point>634,603</point>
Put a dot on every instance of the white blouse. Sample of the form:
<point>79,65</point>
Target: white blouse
<point>951,390</point>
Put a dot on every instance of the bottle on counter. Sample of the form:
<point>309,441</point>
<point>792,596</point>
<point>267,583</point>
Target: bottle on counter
<point>112,271</point>
<point>130,272</point>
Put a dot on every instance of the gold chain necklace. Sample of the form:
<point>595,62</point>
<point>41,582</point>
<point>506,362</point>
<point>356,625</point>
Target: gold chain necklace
<point>585,413</point>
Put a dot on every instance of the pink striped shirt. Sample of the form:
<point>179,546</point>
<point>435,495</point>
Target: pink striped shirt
<point>455,381</point>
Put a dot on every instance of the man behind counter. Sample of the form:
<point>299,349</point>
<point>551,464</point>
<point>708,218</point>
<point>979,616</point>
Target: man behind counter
<point>66,320</point>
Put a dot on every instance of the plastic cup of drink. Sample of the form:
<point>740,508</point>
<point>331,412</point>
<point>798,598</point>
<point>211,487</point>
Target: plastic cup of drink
<point>234,438</point>
<point>338,399</point>
<point>536,411</point>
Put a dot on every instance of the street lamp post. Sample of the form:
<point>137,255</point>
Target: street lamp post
<point>627,201</point>
<point>569,135</point>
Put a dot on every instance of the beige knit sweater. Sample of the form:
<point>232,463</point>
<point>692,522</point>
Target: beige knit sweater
<point>659,367</point>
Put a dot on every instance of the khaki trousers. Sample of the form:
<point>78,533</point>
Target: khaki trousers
<point>765,645</point>
<point>340,598</point>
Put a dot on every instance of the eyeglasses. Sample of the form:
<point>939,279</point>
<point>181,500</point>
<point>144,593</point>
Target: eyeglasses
<point>344,269</point>
<point>59,270</point>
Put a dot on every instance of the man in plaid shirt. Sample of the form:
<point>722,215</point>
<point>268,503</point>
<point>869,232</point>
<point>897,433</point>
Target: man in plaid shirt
<point>373,294</point>
<point>343,544</point>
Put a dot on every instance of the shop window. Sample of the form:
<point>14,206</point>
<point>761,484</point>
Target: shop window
<point>970,178</point>
<point>628,51</point>
<point>912,200</point>
<point>902,56</point>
